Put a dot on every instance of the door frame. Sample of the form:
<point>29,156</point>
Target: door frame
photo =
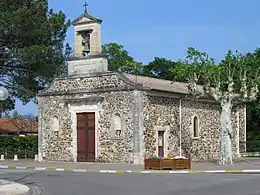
<point>166,129</point>
<point>74,109</point>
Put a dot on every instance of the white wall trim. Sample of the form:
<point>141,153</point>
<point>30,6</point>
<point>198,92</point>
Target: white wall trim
<point>166,130</point>
<point>40,134</point>
<point>55,129</point>
<point>112,127</point>
<point>75,108</point>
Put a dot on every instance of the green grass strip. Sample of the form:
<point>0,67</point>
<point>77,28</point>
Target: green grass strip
<point>11,167</point>
<point>51,169</point>
<point>234,171</point>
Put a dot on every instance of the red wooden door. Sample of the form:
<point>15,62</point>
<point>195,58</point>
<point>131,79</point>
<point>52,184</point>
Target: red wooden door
<point>161,144</point>
<point>86,137</point>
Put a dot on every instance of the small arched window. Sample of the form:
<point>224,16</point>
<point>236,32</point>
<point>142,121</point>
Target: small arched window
<point>195,127</point>
<point>117,125</point>
<point>56,125</point>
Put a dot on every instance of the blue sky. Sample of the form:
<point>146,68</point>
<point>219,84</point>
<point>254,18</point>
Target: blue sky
<point>166,28</point>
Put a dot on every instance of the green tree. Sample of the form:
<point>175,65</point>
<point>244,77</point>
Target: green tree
<point>234,80</point>
<point>120,60</point>
<point>253,108</point>
<point>253,117</point>
<point>159,68</point>
<point>7,106</point>
<point>32,49</point>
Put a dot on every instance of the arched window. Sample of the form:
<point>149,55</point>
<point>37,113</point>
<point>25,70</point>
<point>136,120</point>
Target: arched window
<point>56,125</point>
<point>195,127</point>
<point>117,125</point>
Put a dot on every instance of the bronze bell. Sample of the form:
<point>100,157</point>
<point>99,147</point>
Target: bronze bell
<point>86,49</point>
<point>86,43</point>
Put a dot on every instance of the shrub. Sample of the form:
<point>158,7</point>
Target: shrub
<point>24,147</point>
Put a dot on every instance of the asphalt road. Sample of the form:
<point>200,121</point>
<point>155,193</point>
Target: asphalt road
<point>64,183</point>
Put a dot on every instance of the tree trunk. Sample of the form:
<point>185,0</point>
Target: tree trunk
<point>225,134</point>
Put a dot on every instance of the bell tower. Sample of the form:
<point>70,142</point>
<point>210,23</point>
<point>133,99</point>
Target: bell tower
<point>87,46</point>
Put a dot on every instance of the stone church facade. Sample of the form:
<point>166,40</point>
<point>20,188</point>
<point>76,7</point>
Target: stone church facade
<point>100,116</point>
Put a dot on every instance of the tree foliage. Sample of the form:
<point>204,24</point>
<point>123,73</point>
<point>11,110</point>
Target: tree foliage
<point>32,46</point>
<point>237,74</point>
<point>120,60</point>
<point>159,68</point>
<point>7,106</point>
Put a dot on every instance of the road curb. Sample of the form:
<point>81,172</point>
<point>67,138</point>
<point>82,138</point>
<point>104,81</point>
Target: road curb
<point>127,171</point>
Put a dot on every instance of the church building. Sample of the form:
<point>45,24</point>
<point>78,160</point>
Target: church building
<point>95,115</point>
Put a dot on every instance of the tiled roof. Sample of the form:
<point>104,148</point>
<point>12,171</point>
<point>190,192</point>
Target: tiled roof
<point>13,126</point>
<point>160,84</point>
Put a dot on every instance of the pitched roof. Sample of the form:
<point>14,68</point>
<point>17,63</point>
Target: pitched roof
<point>160,84</point>
<point>15,126</point>
<point>145,82</point>
<point>86,15</point>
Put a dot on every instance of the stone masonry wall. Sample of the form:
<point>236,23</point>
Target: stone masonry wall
<point>160,111</point>
<point>207,145</point>
<point>55,148</point>
<point>164,111</point>
<point>110,149</point>
<point>87,84</point>
<point>242,128</point>
<point>157,111</point>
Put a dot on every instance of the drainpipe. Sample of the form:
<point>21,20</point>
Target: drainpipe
<point>180,127</point>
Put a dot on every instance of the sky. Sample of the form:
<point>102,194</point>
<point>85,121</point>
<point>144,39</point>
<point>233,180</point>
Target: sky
<point>166,28</point>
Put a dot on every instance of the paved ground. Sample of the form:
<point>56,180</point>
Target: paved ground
<point>61,183</point>
<point>243,163</point>
<point>10,187</point>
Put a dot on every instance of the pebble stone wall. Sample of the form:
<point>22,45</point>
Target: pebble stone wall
<point>164,111</point>
<point>52,102</point>
<point>118,98</point>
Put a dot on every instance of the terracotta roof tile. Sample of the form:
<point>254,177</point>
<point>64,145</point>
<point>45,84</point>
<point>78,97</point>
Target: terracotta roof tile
<point>160,84</point>
<point>12,126</point>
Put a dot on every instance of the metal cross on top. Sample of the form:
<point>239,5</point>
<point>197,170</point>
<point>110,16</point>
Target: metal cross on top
<point>86,5</point>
